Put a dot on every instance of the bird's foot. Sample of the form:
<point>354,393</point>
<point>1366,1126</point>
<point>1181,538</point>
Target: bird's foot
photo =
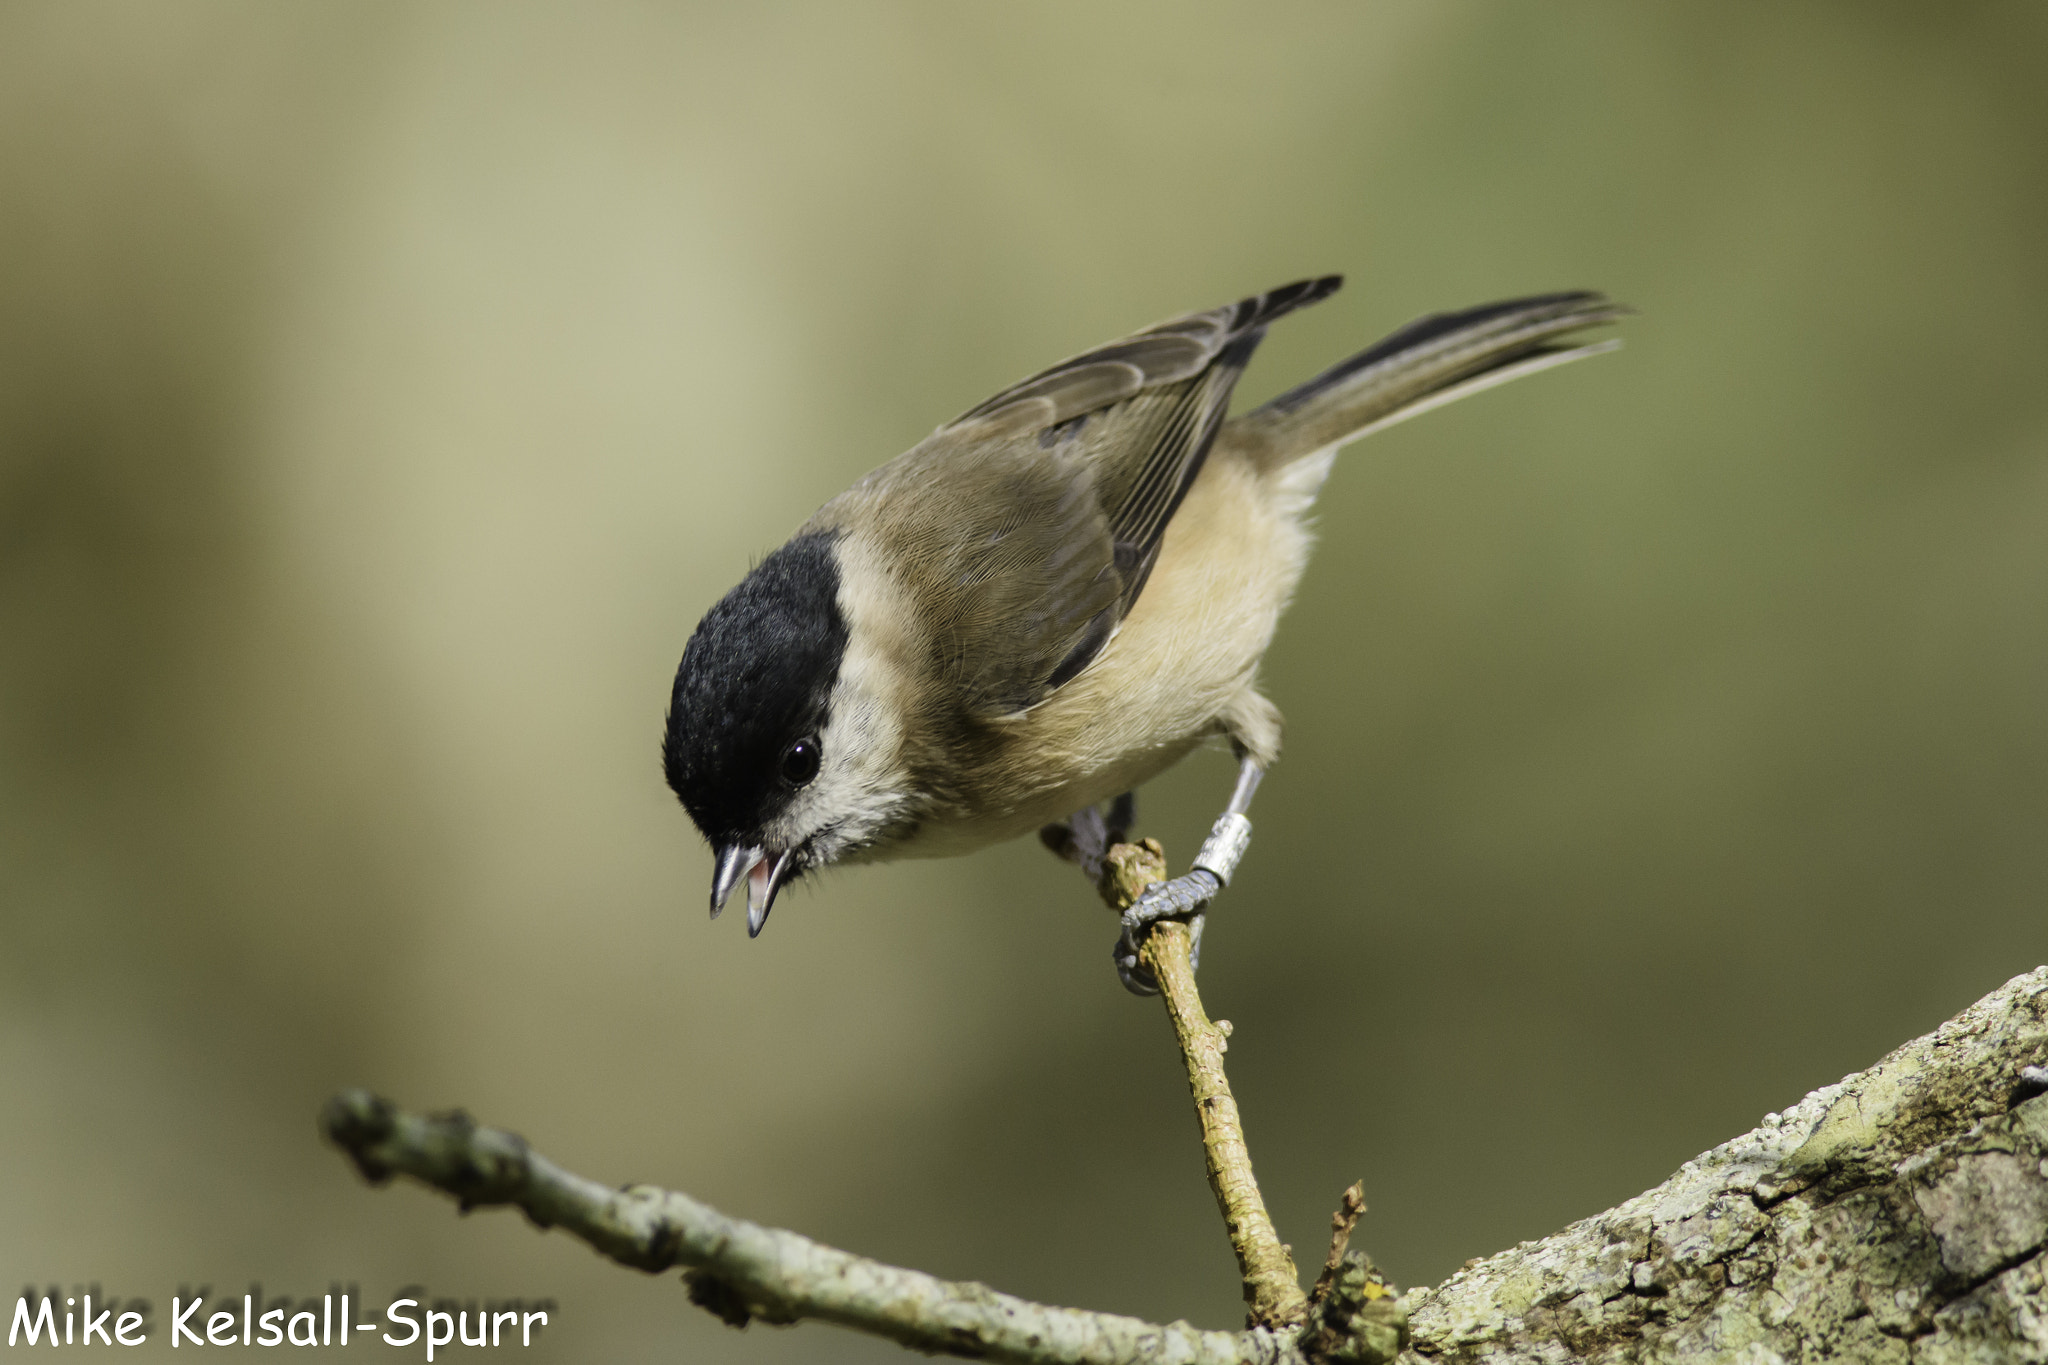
<point>1184,898</point>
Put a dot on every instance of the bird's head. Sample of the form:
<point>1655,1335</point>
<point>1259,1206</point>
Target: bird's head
<point>782,738</point>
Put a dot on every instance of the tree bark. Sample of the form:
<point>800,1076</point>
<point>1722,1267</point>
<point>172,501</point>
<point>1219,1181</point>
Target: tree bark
<point>1898,1215</point>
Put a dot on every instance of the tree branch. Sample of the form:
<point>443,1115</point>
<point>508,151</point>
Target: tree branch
<point>1272,1286</point>
<point>1901,1213</point>
<point>743,1271</point>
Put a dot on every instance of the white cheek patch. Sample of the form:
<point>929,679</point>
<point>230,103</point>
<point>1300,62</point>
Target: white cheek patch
<point>861,787</point>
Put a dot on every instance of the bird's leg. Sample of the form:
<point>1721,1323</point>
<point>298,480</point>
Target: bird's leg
<point>1121,816</point>
<point>1087,835</point>
<point>1186,897</point>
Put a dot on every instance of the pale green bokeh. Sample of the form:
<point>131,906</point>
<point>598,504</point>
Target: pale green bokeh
<point>384,392</point>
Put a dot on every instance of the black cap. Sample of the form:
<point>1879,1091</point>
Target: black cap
<point>756,677</point>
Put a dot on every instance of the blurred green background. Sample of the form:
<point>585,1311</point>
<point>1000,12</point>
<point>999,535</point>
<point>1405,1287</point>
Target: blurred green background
<point>386,389</point>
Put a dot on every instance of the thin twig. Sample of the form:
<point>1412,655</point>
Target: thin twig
<point>1349,1210</point>
<point>1272,1286</point>
<point>743,1271</point>
<point>1926,1127</point>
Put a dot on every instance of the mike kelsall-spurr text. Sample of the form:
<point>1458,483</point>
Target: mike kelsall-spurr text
<point>87,1318</point>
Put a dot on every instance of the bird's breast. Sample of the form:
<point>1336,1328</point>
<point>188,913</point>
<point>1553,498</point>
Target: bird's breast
<point>1186,652</point>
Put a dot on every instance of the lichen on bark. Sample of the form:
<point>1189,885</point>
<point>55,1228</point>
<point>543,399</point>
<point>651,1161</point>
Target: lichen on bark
<point>1898,1215</point>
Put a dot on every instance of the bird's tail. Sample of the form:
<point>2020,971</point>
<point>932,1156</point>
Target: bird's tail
<point>1432,361</point>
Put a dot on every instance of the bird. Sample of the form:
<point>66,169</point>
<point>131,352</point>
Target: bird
<point>1050,600</point>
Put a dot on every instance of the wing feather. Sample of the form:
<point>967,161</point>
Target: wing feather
<point>1033,519</point>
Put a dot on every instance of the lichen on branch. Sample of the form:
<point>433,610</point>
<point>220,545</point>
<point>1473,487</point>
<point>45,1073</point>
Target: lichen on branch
<point>745,1272</point>
<point>1900,1214</point>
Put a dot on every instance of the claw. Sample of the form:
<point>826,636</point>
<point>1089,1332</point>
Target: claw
<point>1182,898</point>
<point>1185,898</point>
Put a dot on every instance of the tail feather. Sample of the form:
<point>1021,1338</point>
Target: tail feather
<point>1432,361</point>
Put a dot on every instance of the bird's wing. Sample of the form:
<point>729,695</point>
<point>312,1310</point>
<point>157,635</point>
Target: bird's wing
<point>1076,473</point>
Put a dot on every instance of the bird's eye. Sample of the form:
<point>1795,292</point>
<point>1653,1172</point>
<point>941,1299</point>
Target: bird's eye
<point>800,762</point>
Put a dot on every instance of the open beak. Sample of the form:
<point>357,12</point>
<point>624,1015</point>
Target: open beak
<point>763,881</point>
<point>735,861</point>
<point>762,871</point>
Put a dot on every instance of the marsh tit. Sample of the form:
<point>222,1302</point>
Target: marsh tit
<point>1050,600</point>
